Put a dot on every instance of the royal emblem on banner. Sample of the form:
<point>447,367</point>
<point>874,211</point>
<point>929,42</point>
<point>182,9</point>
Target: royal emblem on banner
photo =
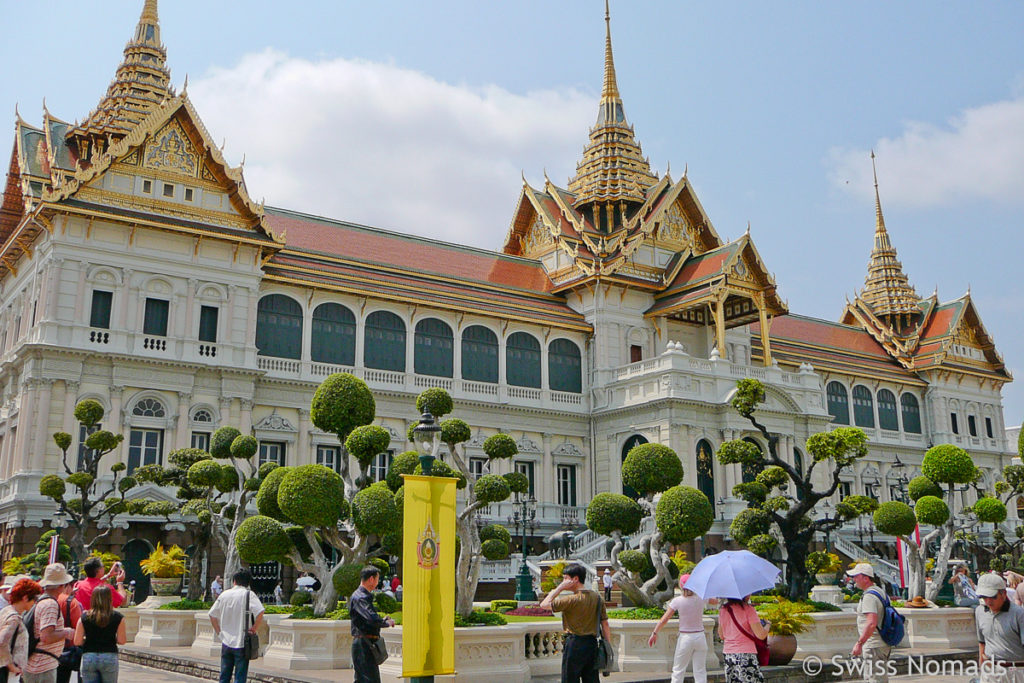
<point>427,547</point>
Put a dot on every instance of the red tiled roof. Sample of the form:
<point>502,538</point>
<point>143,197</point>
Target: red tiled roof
<point>824,333</point>
<point>940,322</point>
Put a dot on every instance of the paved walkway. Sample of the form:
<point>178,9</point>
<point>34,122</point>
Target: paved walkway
<point>132,673</point>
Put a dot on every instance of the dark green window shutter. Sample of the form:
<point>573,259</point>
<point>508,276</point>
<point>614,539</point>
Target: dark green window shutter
<point>479,354</point>
<point>279,327</point>
<point>887,417</point>
<point>100,316</point>
<point>334,335</point>
<point>433,348</point>
<point>706,471</point>
<point>863,407</point>
<point>385,342</point>
<point>838,403</point>
<point>522,360</point>
<point>208,324</point>
<point>564,366</point>
<point>911,414</point>
<point>155,322</point>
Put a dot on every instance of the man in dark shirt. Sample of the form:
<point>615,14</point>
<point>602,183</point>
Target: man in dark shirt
<point>583,612</point>
<point>366,626</point>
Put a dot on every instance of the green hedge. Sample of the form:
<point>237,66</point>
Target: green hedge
<point>187,605</point>
<point>497,605</point>
<point>636,613</point>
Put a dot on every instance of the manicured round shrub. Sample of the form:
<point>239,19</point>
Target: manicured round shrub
<point>384,603</point>
<point>262,539</point>
<point>341,403</point>
<point>63,440</point>
<point>633,560</point>
<point>265,469</point>
<point>126,484</point>
<point>300,598</point>
<point>651,468</point>
<point>312,495</point>
<point>500,446</point>
<point>608,512</point>
<point>435,401</point>
<point>346,579</point>
<point>52,486</point>
<point>403,463</point>
<point>220,442</point>
<point>497,532</point>
<point>80,480</point>
<point>205,473</point>
<point>442,469</point>
<point>228,478</point>
<point>750,523</point>
<point>392,543</point>
<point>299,540</point>
<point>183,458</point>
<point>244,447</point>
<point>772,476</point>
<point>89,412</point>
<point>919,487</point>
<point>118,467</point>
<point>749,394</point>
<point>266,497</point>
<point>948,464</point>
<point>990,510</point>
<point>454,431</point>
<point>382,566</point>
<point>931,510</point>
<point>491,488</point>
<point>517,482</point>
<point>762,544</point>
<point>365,442</point>
<point>895,518</point>
<point>374,510</point>
<point>493,549</point>
<point>399,499</point>
<point>683,514</point>
<point>103,441</point>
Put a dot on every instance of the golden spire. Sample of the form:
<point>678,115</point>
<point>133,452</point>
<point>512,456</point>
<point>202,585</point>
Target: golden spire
<point>613,168</point>
<point>141,83</point>
<point>886,289</point>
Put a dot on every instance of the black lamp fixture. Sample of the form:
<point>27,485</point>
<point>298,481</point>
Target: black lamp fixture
<point>427,435</point>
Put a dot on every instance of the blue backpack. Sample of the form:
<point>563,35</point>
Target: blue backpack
<point>890,626</point>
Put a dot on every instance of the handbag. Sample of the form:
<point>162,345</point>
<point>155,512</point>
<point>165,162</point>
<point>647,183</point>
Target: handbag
<point>605,659</point>
<point>71,658</point>
<point>760,643</point>
<point>379,650</point>
<point>251,641</point>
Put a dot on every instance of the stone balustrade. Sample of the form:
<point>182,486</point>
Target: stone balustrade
<point>131,622</point>
<point>207,644</point>
<point>947,627</point>
<point>309,644</point>
<point>832,633</point>
<point>166,628</point>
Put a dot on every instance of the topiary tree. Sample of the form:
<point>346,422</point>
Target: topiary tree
<point>936,505</point>
<point>646,575</point>
<point>781,499</point>
<point>341,404</point>
<point>473,546</point>
<point>90,503</point>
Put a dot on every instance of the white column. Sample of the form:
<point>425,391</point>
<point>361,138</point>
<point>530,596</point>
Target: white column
<point>410,346</point>
<point>68,423</point>
<point>457,352</point>
<point>41,416</point>
<point>181,436</point>
<point>251,300</point>
<point>307,333</point>
<point>549,485</point>
<point>122,295</point>
<point>190,313</point>
<point>360,340</point>
<point>305,456</point>
<point>114,420</point>
<point>545,380</point>
<point>246,405</point>
<point>229,316</point>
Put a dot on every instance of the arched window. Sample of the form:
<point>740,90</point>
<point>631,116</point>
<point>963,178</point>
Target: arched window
<point>706,471</point>
<point>838,403</point>
<point>863,407</point>
<point>433,352</point>
<point>522,360</point>
<point>564,370</point>
<point>631,443</point>
<point>911,414</point>
<point>385,342</point>
<point>334,335</point>
<point>149,407</point>
<point>279,327</point>
<point>798,464</point>
<point>751,471</point>
<point>202,415</point>
<point>887,417</point>
<point>479,354</point>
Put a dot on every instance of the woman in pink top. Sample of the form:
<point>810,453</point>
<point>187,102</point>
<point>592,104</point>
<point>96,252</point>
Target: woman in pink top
<point>691,644</point>
<point>735,617</point>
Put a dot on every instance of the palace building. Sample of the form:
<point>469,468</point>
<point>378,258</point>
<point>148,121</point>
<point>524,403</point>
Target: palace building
<point>136,270</point>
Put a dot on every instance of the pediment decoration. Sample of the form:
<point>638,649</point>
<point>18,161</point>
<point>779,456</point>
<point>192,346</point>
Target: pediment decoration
<point>538,238</point>
<point>395,436</point>
<point>675,227</point>
<point>569,449</point>
<point>275,423</point>
<point>171,150</point>
<point>526,445</point>
<point>477,441</point>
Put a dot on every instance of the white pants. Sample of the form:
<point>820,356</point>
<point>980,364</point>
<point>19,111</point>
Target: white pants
<point>691,646</point>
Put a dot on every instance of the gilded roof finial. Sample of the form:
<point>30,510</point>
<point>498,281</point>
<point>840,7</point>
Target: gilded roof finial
<point>879,218</point>
<point>610,91</point>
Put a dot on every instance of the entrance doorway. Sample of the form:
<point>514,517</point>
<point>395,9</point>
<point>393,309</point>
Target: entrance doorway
<point>631,443</point>
<point>135,551</point>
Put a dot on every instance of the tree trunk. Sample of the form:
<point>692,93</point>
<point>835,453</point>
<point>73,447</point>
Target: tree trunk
<point>796,568</point>
<point>326,599</point>
<point>468,564</point>
<point>916,557</point>
<point>195,574</point>
<point>624,581</point>
<point>942,560</point>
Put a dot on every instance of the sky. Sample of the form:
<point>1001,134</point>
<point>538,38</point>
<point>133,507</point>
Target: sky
<point>423,117</point>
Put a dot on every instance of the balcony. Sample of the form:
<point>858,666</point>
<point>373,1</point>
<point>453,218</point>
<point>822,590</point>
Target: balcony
<point>468,390</point>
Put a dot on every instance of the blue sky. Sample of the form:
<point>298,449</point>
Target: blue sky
<point>420,117</point>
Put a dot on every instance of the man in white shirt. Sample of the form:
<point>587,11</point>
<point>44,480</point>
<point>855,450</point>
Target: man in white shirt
<point>230,619</point>
<point>606,581</point>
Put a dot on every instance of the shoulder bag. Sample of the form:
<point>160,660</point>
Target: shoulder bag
<point>71,658</point>
<point>760,643</point>
<point>379,649</point>
<point>4,671</point>
<point>251,641</point>
<point>605,659</point>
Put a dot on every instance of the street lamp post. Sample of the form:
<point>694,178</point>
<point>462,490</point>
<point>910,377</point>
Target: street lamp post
<point>524,520</point>
<point>427,435</point>
<point>828,519</point>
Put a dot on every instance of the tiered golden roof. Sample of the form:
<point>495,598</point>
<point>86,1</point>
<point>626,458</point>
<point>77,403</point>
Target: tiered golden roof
<point>613,168</point>
<point>142,83</point>
<point>886,289</point>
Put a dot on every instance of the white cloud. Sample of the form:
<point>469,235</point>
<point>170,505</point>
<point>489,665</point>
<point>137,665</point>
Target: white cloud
<point>978,155</point>
<point>390,147</point>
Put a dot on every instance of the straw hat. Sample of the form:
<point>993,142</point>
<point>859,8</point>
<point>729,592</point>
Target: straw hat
<point>56,575</point>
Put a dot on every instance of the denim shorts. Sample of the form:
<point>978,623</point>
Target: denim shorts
<point>99,667</point>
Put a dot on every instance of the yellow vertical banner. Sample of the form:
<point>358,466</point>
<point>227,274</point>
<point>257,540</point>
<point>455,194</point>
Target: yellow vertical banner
<point>428,577</point>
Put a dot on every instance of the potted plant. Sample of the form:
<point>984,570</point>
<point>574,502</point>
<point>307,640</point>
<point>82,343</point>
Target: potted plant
<point>786,621</point>
<point>824,566</point>
<point>165,569</point>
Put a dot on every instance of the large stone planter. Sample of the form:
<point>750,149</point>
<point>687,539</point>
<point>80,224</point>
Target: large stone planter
<point>165,586</point>
<point>833,595</point>
<point>131,621</point>
<point>486,654</point>
<point>166,628</point>
<point>305,644</point>
<point>940,627</point>
<point>831,633</point>
<point>207,644</point>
